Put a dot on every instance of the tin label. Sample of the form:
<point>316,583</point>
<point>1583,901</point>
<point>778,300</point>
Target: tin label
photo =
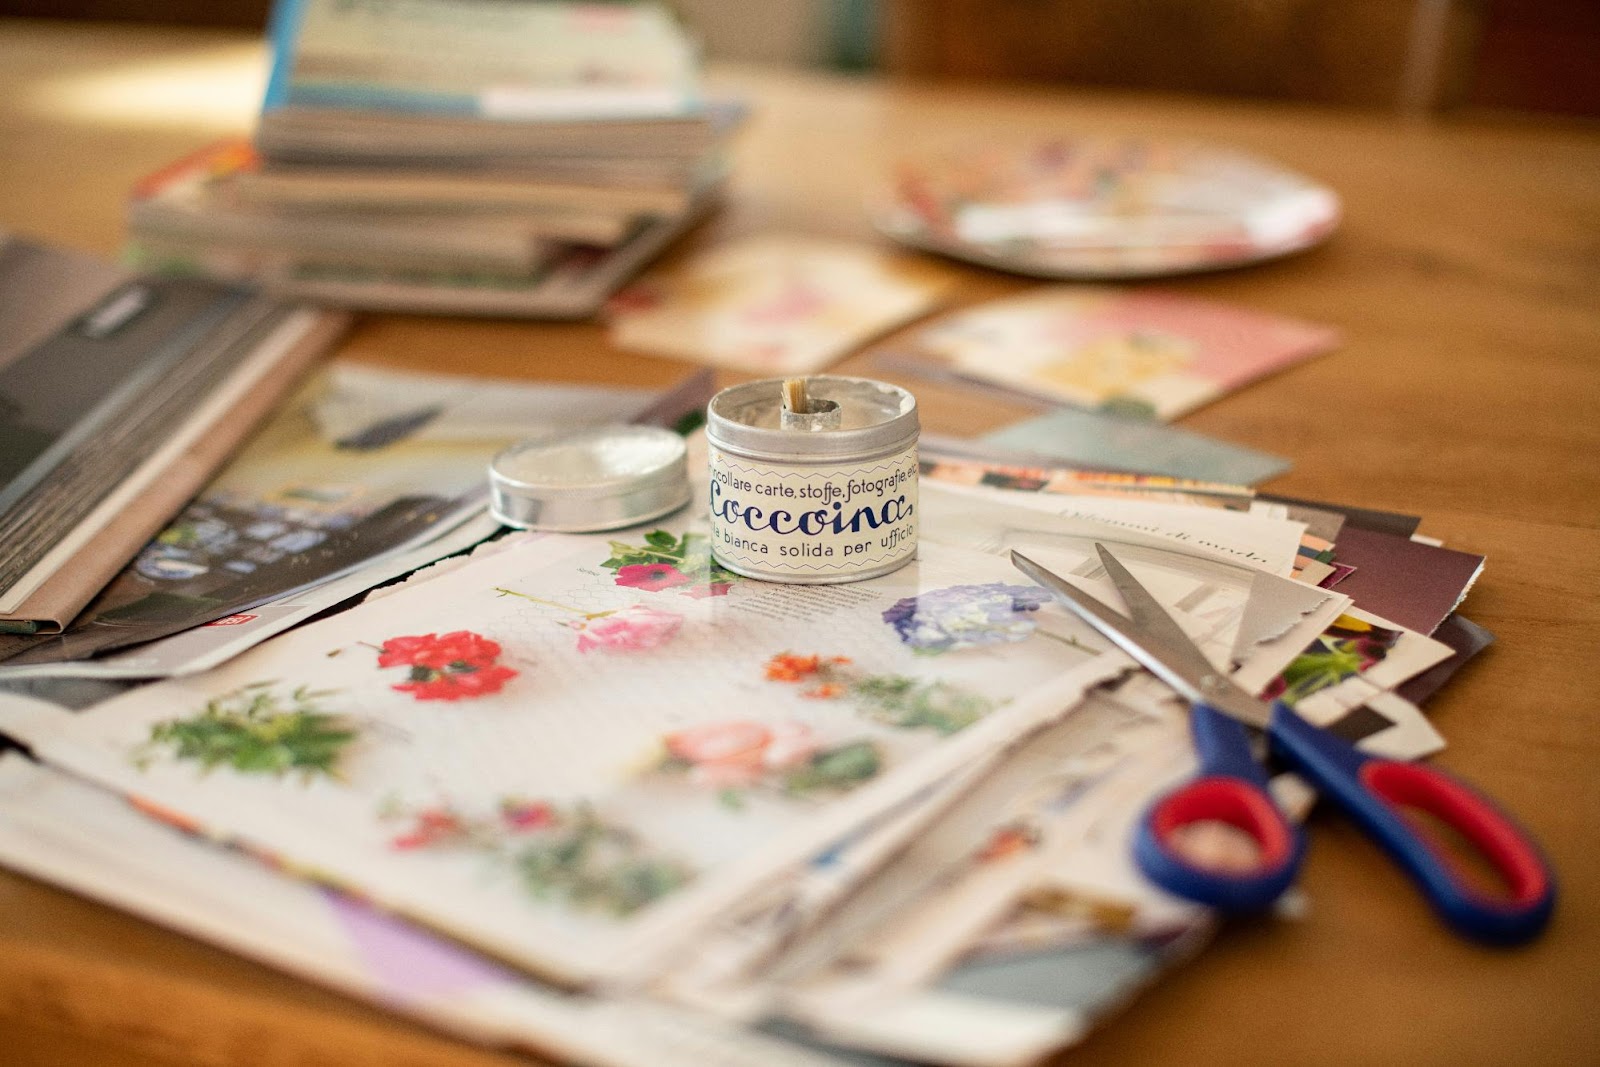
<point>813,523</point>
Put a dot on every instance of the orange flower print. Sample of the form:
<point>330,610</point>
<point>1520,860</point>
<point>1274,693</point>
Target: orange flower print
<point>1008,841</point>
<point>787,667</point>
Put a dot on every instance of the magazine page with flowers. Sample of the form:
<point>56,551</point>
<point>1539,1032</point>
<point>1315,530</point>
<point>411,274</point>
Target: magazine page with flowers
<point>575,752</point>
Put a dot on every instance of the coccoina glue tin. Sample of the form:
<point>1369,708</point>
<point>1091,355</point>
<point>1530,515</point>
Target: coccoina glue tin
<point>824,496</point>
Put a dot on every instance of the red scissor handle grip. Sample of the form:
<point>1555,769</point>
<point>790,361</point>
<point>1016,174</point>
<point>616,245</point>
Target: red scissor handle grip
<point>1232,801</point>
<point>1507,849</point>
<point>1239,804</point>
<point>1376,793</point>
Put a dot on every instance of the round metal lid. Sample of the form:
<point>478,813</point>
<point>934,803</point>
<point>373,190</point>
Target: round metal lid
<point>580,481</point>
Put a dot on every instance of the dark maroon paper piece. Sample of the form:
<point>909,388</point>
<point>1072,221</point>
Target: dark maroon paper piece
<point>1404,581</point>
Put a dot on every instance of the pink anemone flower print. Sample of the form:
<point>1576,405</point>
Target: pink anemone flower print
<point>632,629</point>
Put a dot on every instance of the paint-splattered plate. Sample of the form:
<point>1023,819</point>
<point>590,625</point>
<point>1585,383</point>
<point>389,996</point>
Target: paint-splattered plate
<point>1105,207</point>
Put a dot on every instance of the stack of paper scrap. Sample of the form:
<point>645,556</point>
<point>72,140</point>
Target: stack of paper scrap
<point>596,796</point>
<point>509,157</point>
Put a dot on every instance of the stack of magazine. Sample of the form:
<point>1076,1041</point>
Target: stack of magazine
<point>119,395</point>
<point>503,157</point>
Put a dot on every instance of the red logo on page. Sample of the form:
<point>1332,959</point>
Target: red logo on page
<point>233,620</point>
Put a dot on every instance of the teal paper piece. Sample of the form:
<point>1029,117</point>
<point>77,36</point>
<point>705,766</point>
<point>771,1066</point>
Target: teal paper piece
<point>1093,440</point>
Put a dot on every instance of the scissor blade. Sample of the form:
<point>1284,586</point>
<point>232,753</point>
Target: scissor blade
<point>1159,630</point>
<point>1186,670</point>
<point>1110,623</point>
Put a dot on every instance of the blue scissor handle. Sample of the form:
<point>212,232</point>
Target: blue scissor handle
<point>1373,791</point>
<point>1231,788</point>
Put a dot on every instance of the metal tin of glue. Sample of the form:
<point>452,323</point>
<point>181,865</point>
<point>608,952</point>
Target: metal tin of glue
<point>825,498</point>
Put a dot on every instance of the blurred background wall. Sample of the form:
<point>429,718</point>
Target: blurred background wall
<point>1408,55</point>
<point>1411,55</point>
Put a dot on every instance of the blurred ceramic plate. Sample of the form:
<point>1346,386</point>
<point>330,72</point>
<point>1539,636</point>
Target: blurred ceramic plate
<point>1100,208</point>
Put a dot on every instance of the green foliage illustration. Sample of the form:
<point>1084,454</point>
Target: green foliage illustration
<point>591,865</point>
<point>910,704</point>
<point>835,769</point>
<point>892,699</point>
<point>562,855</point>
<point>258,730</point>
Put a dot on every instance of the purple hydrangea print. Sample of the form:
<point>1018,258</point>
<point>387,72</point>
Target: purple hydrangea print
<point>966,616</point>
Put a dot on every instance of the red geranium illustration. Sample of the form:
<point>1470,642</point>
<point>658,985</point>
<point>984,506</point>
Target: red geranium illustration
<point>438,650</point>
<point>431,827</point>
<point>452,666</point>
<point>442,825</point>
<point>527,815</point>
<point>651,577</point>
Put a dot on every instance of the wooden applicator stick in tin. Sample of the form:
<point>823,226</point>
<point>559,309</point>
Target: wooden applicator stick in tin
<point>803,412</point>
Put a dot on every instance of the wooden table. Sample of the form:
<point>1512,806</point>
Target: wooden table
<point>1466,279</point>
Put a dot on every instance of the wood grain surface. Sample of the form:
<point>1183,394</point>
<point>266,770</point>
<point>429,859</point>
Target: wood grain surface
<point>1466,281</point>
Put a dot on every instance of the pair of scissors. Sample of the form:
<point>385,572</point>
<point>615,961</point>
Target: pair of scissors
<point>1231,788</point>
